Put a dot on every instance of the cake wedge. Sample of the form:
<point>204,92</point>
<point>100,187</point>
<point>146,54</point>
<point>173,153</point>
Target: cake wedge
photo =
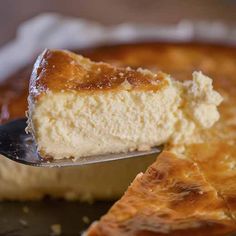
<point>81,108</point>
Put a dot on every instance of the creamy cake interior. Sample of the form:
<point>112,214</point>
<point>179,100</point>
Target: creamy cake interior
<point>80,108</point>
<point>100,181</point>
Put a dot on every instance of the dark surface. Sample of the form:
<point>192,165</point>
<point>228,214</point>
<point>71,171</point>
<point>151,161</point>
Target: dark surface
<point>16,145</point>
<point>15,221</point>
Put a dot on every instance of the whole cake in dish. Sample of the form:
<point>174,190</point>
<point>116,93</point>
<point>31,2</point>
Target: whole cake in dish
<point>100,181</point>
<point>80,108</point>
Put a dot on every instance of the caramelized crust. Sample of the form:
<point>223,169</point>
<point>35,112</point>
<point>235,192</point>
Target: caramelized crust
<point>217,161</point>
<point>172,198</point>
<point>177,59</point>
<point>58,70</point>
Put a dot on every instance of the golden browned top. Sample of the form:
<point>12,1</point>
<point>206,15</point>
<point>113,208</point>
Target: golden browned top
<point>217,161</point>
<point>172,198</point>
<point>60,70</point>
<point>177,59</point>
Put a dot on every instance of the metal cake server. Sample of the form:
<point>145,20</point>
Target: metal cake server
<point>18,146</point>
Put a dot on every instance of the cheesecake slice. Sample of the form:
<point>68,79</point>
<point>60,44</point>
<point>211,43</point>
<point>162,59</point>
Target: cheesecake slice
<point>171,198</point>
<point>80,108</point>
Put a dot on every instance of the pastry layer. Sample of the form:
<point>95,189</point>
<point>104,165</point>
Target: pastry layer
<point>171,198</point>
<point>217,161</point>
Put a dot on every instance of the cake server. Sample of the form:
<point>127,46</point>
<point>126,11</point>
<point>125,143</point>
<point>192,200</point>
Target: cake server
<point>19,146</point>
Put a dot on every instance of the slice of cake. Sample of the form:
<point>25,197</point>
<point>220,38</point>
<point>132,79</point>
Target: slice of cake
<point>80,108</point>
<point>171,198</point>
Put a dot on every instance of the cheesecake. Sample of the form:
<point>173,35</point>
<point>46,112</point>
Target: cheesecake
<point>80,108</point>
<point>172,197</point>
<point>99,181</point>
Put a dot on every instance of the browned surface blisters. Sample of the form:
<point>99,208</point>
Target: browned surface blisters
<point>217,161</point>
<point>59,70</point>
<point>178,202</point>
<point>155,226</point>
<point>188,193</point>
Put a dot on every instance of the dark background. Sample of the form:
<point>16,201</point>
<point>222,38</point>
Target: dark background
<point>13,12</point>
